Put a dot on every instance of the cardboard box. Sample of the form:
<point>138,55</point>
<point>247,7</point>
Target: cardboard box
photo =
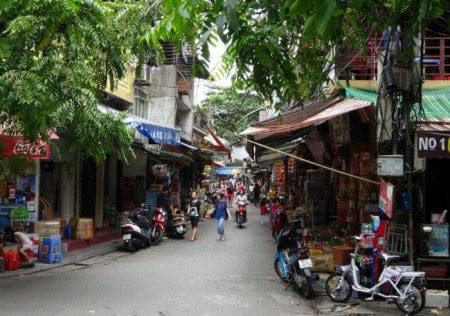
<point>323,262</point>
<point>12,248</point>
<point>82,228</point>
<point>48,228</point>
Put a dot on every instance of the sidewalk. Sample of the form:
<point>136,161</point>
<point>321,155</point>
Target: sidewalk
<point>69,258</point>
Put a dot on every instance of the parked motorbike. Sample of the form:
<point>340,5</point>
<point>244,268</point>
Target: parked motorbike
<point>158,226</point>
<point>395,283</point>
<point>292,262</point>
<point>136,231</point>
<point>280,222</point>
<point>177,227</point>
<point>241,213</point>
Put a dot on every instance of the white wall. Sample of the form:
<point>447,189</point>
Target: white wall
<point>136,167</point>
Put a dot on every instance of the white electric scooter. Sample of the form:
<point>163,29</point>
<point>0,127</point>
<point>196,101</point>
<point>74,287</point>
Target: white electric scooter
<point>395,283</point>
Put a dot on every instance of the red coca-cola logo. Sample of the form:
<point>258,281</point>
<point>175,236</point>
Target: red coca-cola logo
<point>36,149</point>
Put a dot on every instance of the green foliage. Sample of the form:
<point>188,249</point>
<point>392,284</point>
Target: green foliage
<point>56,58</point>
<point>287,47</point>
<point>231,112</point>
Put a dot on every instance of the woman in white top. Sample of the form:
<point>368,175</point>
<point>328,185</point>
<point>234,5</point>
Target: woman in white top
<point>24,244</point>
<point>241,199</point>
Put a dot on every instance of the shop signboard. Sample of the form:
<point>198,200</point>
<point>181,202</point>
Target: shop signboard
<point>341,130</point>
<point>386,198</point>
<point>160,135</point>
<point>16,145</point>
<point>438,241</point>
<point>433,144</point>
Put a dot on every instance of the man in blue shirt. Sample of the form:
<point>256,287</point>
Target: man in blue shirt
<point>222,214</point>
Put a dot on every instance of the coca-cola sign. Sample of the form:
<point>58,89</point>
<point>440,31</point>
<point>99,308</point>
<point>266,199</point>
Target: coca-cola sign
<point>16,145</point>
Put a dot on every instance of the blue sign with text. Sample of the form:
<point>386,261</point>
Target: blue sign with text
<point>160,135</point>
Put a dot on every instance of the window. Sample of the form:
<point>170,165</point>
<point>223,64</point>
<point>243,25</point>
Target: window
<point>140,108</point>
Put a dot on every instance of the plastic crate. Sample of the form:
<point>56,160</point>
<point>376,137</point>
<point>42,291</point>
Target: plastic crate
<point>11,260</point>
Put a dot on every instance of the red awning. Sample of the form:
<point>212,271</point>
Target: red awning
<point>217,144</point>
<point>310,115</point>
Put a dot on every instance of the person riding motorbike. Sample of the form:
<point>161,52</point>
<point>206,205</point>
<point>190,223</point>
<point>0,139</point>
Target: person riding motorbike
<point>241,199</point>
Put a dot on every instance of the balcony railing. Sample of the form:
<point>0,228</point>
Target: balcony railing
<point>356,66</point>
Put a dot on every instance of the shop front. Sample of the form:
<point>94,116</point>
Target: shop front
<point>326,171</point>
<point>433,159</point>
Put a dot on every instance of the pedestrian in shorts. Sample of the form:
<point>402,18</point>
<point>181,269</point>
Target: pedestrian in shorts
<point>222,214</point>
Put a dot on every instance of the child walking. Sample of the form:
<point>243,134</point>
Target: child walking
<point>222,214</point>
<point>273,211</point>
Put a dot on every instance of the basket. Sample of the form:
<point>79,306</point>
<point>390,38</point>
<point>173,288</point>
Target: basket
<point>341,255</point>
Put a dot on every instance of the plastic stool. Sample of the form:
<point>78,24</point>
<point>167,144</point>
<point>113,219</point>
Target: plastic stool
<point>50,250</point>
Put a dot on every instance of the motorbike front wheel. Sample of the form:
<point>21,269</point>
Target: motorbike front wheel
<point>338,293</point>
<point>414,301</point>
<point>240,220</point>
<point>156,235</point>
<point>279,269</point>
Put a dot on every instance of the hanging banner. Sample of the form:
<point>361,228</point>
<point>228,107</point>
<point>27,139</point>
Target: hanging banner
<point>160,135</point>
<point>386,198</point>
<point>16,145</point>
<point>433,144</point>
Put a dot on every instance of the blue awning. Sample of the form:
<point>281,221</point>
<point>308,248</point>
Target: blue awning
<point>225,171</point>
<point>189,146</point>
<point>160,135</point>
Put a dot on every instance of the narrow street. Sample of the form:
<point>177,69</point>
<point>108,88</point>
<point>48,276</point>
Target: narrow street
<point>179,277</point>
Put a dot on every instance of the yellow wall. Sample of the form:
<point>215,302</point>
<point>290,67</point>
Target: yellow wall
<point>124,88</point>
<point>372,84</point>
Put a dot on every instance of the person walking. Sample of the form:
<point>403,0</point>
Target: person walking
<point>256,193</point>
<point>222,214</point>
<point>230,193</point>
<point>262,209</point>
<point>194,214</point>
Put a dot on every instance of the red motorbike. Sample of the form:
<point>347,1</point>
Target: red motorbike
<point>280,222</point>
<point>158,225</point>
<point>241,213</point>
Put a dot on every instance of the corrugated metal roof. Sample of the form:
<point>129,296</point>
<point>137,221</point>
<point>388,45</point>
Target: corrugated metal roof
<point>307,116</point>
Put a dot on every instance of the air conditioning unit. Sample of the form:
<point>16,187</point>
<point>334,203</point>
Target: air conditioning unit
<point>402,75</point>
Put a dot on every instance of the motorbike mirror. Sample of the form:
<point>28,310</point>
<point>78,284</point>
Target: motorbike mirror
<point>357,238</point>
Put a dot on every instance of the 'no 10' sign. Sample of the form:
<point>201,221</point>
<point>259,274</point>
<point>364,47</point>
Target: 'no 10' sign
<point>433,144</point>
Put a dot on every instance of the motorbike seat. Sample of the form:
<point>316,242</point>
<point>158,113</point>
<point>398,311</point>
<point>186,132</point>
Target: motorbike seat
<point>389,258</point>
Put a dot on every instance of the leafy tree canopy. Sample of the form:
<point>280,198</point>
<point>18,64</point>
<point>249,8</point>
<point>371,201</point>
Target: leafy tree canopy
<point>56,58</point>
<point>287,47</point>
<point>231,112</point>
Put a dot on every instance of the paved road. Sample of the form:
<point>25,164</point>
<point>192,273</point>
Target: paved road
<point>179,277</point>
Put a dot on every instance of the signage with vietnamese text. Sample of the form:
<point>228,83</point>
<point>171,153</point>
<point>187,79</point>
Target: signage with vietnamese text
<point>160,135</point>
<point>16,145</point>
<point>386,198</point>
<point>433,144</point>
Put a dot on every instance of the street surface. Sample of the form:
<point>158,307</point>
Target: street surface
<point>179,277</point>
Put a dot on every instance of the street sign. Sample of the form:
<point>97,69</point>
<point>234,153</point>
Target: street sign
<point>433,144</point>
<point>390,165</point>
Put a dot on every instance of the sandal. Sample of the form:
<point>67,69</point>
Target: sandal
<point>192,238</point>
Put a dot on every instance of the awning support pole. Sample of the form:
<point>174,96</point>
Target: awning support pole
<point>314,163</point>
